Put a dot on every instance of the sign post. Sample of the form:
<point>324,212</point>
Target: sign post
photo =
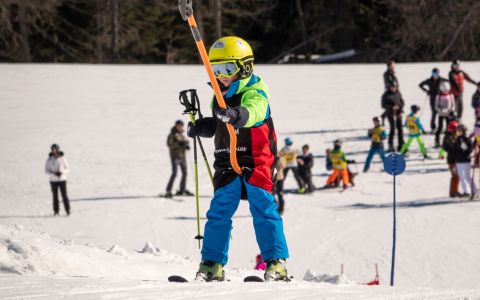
<point>394,164</point>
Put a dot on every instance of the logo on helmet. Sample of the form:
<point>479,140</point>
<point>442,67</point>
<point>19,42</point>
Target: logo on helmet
<point>219,45</point>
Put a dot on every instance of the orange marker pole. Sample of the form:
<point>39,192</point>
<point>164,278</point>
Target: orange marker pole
<point>187,14</point>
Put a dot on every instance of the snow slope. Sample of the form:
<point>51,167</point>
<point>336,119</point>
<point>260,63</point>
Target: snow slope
<point>112,123</point>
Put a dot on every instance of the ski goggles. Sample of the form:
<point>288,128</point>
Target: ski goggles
<point>226,69</point>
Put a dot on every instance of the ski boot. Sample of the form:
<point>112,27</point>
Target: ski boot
<point>210,271</point>
<point>301,190</point>
<point>187,193</point>
<point>276,270</point>
<point>184,193</point>
<point>168,195</point>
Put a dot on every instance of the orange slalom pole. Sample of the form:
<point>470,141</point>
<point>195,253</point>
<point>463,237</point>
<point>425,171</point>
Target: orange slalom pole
<point>216,90</point>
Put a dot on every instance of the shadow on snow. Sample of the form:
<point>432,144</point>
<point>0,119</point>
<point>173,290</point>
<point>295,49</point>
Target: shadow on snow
<point>106,198</point>
<point>409,204</point>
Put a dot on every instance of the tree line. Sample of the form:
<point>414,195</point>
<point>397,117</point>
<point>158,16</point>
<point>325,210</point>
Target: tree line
<point>152,31</point>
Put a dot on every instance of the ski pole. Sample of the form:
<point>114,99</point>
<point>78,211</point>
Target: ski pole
<point>197,200</point>
<point>186,11</point>
<point>423,107</point>
<point>190,109</point>
<point>192,106</point>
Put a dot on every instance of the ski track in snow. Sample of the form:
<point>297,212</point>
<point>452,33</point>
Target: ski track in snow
<point>112,123</point>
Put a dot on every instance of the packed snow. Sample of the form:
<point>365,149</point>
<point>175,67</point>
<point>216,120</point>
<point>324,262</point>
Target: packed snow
<point>122,241</point>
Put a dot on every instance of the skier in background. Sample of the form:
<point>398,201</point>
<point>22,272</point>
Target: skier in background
<point>339,162</point>
<point>389,79</point>
<point>290,153</point>
<point>392,102</point>
<point>178,145</point>
<point>462,150</point>
<point>448,148</point>
<point>57,167</point>
<point>377,134</point>
<point>476,101</point>
<point>415,131</point>
<point>457,78</point>
<point>248,111</point>
<point>431,86</point>
<point>444,106</point>
<point>305,164</point>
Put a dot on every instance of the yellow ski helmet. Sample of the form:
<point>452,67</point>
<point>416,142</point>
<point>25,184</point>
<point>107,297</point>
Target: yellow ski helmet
<point>233,49</point>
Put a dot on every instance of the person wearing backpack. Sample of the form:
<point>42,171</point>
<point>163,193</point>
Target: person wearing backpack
<point>431,86</point>
<point>444,105</point>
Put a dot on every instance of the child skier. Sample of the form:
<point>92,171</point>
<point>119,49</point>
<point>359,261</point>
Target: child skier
<point>415,130</point>
<point>448,149</point>
<point>290,153</point>
<point>377,135</point>
<point>305,164</point>
<point>462,150</point>
<point>445,106</point>
<point>339,162</point>
<point>248,110</point>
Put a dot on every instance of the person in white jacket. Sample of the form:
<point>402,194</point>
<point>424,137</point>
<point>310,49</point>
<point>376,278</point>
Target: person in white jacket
<point>445,106</point>
<point>57,167</point>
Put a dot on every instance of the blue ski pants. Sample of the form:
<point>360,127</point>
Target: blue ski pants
<point>374,149</point>
<point>267,222</point>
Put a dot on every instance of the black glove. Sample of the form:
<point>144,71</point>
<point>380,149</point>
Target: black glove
<point>58,174</point>
<point>192,130</point>
<point>228,115</point>
<point>185,145</point>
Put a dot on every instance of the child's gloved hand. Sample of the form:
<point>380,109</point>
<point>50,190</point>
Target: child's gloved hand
<point>228,115</point>
<point>192,130</point>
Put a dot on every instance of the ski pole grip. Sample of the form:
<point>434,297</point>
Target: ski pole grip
<point>186,9</point>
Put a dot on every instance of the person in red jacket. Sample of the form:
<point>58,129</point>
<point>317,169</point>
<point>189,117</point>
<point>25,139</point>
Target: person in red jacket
<point>456,78</point>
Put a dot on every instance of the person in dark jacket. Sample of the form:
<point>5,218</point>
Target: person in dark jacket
<point>305,164</point>
<point>476,101</point>
<point>178,145</point>
<point>462,152</point>
<point>457,78</point>
<point>448,150</point>
<point>393,104</point>
<point>431,86</point>
<point>389,77</point>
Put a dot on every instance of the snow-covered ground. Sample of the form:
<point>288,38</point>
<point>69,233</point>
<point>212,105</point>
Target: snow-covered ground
<point>112,123</point>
